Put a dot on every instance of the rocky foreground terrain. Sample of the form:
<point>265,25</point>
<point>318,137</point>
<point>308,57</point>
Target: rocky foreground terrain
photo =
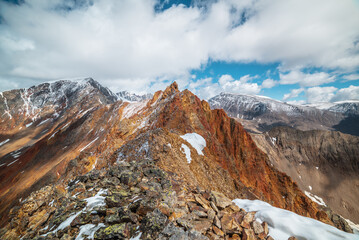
<point>77,162</point>
<point>130,200</point>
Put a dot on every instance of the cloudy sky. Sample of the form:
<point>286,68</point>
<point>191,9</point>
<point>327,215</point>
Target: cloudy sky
<point>291,50</point>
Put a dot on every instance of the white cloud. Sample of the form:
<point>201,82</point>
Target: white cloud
<point>114,41</point>
<point>349,93</point>
<point>269,83</point>
<point>293,93</point>
<point>306,79</point>
<point>207,88</point>
<point>351,77</point>
<point>320,94</point>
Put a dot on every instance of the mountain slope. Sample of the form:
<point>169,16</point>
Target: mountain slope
<point>324,163</point>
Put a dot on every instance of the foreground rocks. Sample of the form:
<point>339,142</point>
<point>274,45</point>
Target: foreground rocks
<point>130,200</point>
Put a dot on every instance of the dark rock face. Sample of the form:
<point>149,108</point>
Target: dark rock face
<point>327,161</point>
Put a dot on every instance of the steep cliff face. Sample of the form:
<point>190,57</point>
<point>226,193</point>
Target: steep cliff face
<point>323,163</point>
<point>174,130</point>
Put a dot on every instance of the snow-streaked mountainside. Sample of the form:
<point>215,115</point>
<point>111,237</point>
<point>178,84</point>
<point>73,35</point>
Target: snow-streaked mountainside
<point>247,106</point>
<point>350,107</point>
<point>132,97</point>
<point>263,113</point>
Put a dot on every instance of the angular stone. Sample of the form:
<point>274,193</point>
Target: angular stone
<point>216,222</point>
<point>202,226</point>
<point>193,206</point>
<point>213,206</point>
<point>257,227</point>
<point>211,214</point>
<point>202,201</point>
<point>113,200</point>
<point>230,225</point>
<point>200,214</point>
<point>184,222</point>
<point>248,234</point>
<point>247,219</point>
<point>195,235</point>
<point>112,219</point>
<point>218,231</point>
<point>235,237</point>
<point>117,231</point>
<point>153,224</point>
<point>265,228</point>
<point>220,200</point>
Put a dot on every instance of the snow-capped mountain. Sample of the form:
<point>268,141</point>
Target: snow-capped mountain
<point>264,113</point>
<point>350,107</point>
<point>132,97</point>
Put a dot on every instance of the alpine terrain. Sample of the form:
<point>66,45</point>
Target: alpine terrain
<point>80,162</point>
<point>316,145</point>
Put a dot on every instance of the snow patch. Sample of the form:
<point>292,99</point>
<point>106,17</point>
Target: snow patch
<point>315,198</point>
<point>310,188</point>
<point>3,142</point>
<point>44,121</point>
<point>88,144</point>
<point>138,237</point>
<point>284,224</point>
<point>29,124</point>
<point>12,162</point>
<point>187,152</point>
<point>273,140</point>
<point>7,106</point>
<point>196,141</point>
<point>88,231</point>
<point>133,108</point>
<point>97,200</point>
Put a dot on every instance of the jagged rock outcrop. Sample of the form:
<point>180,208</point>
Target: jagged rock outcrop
<point>325,164</point>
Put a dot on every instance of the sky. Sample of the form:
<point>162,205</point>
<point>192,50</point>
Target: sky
<point>295,51</point>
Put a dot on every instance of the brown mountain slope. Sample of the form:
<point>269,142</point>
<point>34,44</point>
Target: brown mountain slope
<point>324,163</point>
<point>230,150</point>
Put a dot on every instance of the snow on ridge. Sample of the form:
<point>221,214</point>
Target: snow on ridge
<point>187,152</point>
<point>315,198</point>
<point>283,224</point>
<point>133,108</point>
<point>196,141</point>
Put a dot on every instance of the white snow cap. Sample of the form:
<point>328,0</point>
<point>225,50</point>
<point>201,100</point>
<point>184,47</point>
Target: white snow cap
<point>284,224</point>
<point>196,141</point>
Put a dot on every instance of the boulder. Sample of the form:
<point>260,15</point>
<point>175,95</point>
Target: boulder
<point>220,200</point>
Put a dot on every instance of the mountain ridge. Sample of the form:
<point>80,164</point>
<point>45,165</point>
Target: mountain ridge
<point>119,132</point>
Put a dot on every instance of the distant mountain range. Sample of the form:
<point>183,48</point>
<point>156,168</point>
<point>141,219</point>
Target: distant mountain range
<point>265,113</point>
